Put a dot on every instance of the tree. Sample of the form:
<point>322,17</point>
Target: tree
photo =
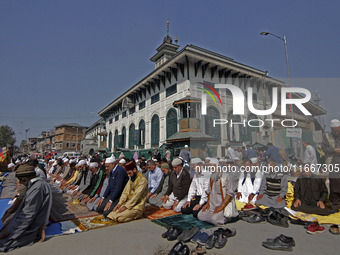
<point>7,136</point>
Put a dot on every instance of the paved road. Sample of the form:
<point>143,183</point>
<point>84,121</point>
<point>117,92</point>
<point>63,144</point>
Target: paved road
<point>144,237</point>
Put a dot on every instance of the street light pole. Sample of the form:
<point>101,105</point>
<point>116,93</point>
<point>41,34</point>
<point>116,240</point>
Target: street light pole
<point>284,39</point>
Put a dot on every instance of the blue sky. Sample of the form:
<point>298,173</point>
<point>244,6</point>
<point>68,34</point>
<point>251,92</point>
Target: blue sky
<point>62,61</point>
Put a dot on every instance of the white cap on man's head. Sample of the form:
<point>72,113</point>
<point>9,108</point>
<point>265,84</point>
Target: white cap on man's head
<point>122,161</point>
<point>335,123</point>
<point>196,161</point>
<point>254,160</point>
<point>81,162</point>
<point>110,160</point>
<point>93,164</point>
<point>186,146</point>
<point>213,161</point>
<point>176,162</point>
<point>10,165</point>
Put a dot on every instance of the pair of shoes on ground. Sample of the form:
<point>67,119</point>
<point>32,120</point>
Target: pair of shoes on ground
<point>220,238</point>
<point>187,234</point>
<point>277,219</point>
<point>315,228</point>
<point>334,229</point>
<point>280,243</point>
<point>172,233</point>
<point>180,249</point>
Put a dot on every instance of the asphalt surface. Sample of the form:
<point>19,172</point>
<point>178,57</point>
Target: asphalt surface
<point>144,237</point>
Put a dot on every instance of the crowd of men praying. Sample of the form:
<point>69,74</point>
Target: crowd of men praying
<point>121,188</point>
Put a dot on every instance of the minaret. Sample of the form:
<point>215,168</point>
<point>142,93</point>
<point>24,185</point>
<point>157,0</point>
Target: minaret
<point>166,50</point>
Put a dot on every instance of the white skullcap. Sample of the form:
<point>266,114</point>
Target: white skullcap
<point>335,123</point>
<point>65,160</point>
<point>177,162</point>
<point>110,160</point>
<point>73,161</point>
<point>213,161</point>
<point>223,160</point>
<point>186,146</point>
<point>55,163</point>
<point>93,164</point>
<point>122,161</point>
<point>254,160</point>
<point>196,161</point>
<point>17,161</point>
<point>81,162</point>
<point>236,158</point>
<point>10,165</point>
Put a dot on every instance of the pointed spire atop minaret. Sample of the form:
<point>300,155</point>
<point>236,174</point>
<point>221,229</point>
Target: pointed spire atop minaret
<point>166,50</point>
<point>167,27</point>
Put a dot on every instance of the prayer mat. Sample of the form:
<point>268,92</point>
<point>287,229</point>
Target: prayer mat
<point>3,207</point>
<point>329,219</point>
<point>183,221</point>
<point>89,223</point>
<point>8,192</point>
<point>62,228</point>
<point>10,180</point>
<point>63,210</point>
<point>157,213</point>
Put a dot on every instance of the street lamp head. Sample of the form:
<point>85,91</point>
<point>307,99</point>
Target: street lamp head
<point>264,33</point>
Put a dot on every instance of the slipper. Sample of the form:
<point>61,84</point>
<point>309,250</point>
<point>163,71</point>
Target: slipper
<point>334,229</point>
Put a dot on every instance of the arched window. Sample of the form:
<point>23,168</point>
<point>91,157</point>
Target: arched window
<point>171,122</point>
<point>110,141</point>
<point>131,136</point>
<point>141,138</point>
<point>212,113</point>
<point>155,130</point>
<point>123,137</point>
<point>116,139</point>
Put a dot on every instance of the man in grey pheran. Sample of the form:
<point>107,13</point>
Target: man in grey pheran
<point>31,218</point>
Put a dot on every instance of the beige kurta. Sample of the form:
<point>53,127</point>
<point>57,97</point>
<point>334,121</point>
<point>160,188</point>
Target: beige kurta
<point>133,198</point>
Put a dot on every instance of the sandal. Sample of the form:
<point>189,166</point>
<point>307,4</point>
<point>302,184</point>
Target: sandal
<point>334,229</point>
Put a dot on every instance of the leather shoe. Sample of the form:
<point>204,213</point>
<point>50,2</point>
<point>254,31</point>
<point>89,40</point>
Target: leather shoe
<point>187,234</point>
<point>176,248</point>
<point>229,232</point>
<point>276,244</point>
<point>282,239</point>
<point>254,219</point>
<point>166,234</point>
<point>278,219</point>
<point>184,251</point>
<point>211,241</point>
<point>174,233</point>
<point>221,240</point>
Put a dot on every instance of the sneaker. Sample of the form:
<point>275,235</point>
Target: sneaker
<point>315,228</point>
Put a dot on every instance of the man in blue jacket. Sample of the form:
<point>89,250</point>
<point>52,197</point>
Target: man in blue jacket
<point>117,182</point>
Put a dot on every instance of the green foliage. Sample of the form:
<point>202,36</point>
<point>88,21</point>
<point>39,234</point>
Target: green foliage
<point>7,136</point>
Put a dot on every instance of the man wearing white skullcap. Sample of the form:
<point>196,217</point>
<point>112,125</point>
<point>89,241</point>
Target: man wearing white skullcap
<point>117,182</point>
<point>176,195</point>
<point>331,147</point>
<point>10,167</point>
<point>197,195</point>
<point>122,162</point>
